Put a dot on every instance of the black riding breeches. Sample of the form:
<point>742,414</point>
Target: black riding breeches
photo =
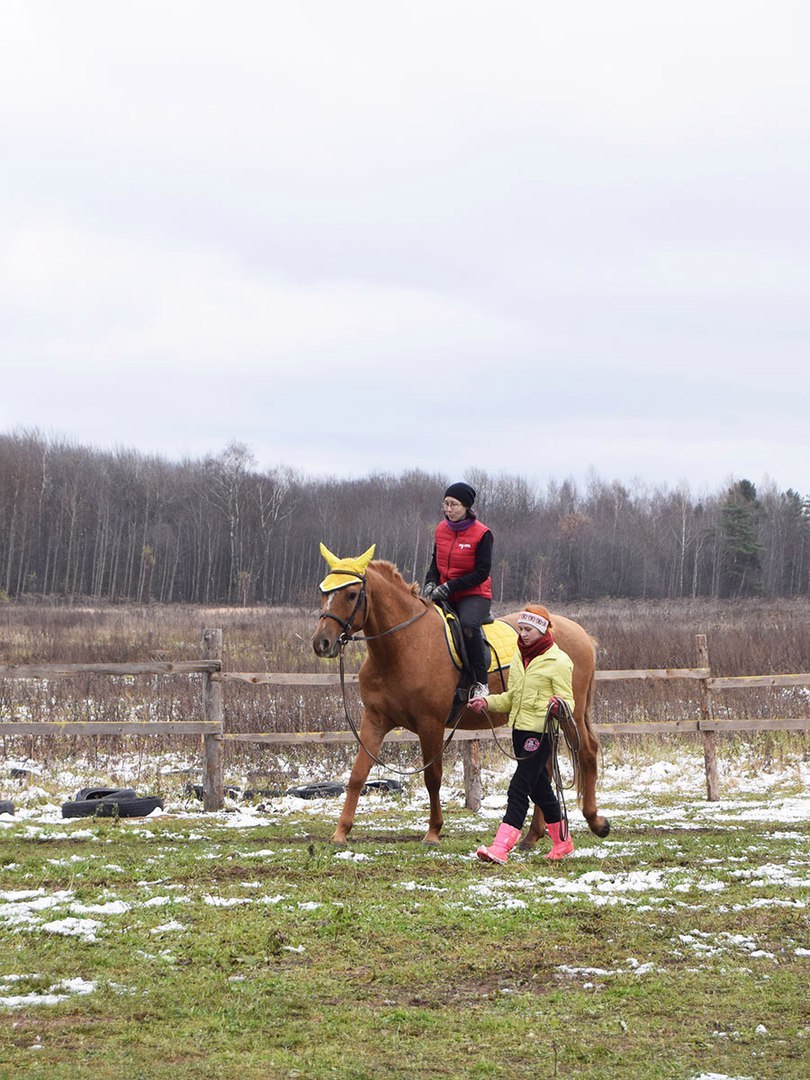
<point>473,612</point>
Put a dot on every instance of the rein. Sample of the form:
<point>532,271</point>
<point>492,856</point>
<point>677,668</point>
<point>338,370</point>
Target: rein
<point>567,728</point>
<point>356,733</point>
<point>570,733</point>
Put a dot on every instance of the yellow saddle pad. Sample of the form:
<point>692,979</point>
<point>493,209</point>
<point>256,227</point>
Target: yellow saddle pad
<point>500,637</point>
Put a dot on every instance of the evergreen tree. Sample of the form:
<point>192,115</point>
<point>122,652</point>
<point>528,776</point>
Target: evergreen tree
<point>741,552</point>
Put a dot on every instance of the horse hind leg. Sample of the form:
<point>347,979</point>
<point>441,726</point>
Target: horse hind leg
<point>586,778</point>
<point>537,830</point>
<point>596,823</point>
<point>588,753</point>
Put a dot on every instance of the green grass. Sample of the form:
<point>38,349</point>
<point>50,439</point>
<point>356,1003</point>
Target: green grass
<point>408,962</point>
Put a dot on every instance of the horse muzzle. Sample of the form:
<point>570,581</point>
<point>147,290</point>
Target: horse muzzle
<point>326,645</point>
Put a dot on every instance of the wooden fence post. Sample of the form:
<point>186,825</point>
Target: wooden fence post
<point>709,737</point>
<point>471,756</point>
<point>213,745</point>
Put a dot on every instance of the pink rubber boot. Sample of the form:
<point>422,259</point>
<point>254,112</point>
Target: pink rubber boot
<point>559,847</point>
<point>505,839</point>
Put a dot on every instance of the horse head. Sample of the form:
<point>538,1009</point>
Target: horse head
<point>343,601</point>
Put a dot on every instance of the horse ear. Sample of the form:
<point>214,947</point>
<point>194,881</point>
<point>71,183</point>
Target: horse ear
<point>331,560</point>
<point>364,559</point>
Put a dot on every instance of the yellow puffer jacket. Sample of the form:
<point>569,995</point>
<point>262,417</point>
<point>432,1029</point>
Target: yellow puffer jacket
<point>527,693</point>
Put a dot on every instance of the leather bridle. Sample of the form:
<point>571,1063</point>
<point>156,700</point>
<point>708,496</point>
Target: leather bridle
<point>348,624</point>
<point>362,598</point>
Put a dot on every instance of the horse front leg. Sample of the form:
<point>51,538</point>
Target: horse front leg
<point>371,737</point>
<point>432,753</point>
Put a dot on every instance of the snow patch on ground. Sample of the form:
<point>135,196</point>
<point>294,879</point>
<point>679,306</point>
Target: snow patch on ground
<point>51,995</point>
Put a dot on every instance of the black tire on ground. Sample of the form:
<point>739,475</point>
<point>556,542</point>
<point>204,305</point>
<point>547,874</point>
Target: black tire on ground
<point>262,793</point>
<point>112,807</point>
<point>104,793</point>
<point>6,806</point>
<point>381,785</point>
<point>197,791</point>
<point>324,790</point>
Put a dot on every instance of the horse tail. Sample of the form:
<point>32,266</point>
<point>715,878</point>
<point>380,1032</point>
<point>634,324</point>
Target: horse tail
<point>588,714</point>
<point>590,730</point>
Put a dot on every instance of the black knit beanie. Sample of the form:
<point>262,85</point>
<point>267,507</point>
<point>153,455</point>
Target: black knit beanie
<point>461,491</point>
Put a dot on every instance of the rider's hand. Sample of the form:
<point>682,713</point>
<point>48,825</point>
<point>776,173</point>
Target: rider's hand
<point>478,704</point>
<point>556,706</point>
<point>427,590</point>
<point>441,592</point>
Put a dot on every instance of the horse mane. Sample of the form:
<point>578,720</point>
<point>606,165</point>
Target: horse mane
<point>389,571</point>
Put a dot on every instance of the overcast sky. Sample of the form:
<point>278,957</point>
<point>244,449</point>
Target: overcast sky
<point>542,239</point>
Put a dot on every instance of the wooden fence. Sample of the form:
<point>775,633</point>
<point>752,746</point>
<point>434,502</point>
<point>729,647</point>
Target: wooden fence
<point>212,727</point>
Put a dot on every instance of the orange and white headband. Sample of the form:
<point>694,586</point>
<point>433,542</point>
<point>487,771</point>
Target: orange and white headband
<point>531,618</point>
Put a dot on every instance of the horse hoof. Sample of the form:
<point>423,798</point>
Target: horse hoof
<point>527,845</point>
<point>338,844</point>
<point>431,844</point>
<point>599,827</point>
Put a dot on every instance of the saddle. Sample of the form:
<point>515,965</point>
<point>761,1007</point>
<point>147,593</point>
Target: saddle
<point>500,641</point>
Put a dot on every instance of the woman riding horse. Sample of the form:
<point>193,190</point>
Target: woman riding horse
<point>459,574</point>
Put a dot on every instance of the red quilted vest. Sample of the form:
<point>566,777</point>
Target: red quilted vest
<point>455,556</point>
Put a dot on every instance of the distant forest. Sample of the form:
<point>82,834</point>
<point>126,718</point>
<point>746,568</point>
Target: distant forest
<point>81,524</point>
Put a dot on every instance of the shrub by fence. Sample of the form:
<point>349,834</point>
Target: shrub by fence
<point>213,725</point>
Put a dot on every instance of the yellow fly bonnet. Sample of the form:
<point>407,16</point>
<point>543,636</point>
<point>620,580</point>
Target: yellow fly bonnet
<point>343,572</point>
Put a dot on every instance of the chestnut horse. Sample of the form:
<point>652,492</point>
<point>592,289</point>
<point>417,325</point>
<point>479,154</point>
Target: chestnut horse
<point>408,680</point>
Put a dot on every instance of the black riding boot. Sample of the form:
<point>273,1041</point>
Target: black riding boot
<point>474,644</point>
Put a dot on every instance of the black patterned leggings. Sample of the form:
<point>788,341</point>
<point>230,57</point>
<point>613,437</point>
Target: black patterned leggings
<point>530,780</point>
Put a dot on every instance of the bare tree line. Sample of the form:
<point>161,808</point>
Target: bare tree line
<point>120,526</point>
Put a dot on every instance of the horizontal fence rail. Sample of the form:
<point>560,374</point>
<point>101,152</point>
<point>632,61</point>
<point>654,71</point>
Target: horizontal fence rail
<point>111,727</point>
<point>56,671</point>
<point>612,675</point>
<point>214,735</point>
